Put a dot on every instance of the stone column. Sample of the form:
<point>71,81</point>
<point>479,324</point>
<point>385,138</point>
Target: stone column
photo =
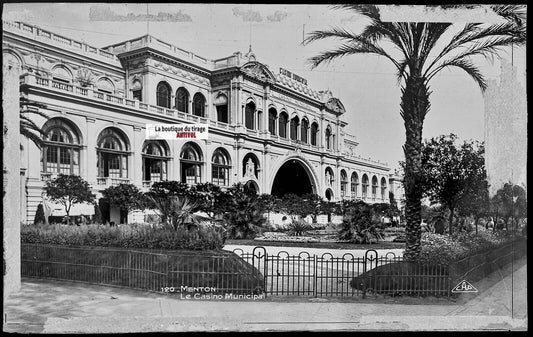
<point>11,192</point>
<point>90,162</point>
<point>136,168</point>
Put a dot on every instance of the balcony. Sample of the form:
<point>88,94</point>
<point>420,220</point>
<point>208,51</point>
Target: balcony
<point>47,176</point>
<point>105,182</point>
<point>90,93</point>
<point>44,36</point>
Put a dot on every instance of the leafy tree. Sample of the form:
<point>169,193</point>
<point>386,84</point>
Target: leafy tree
<point>168,188</point>
<point>313,203</point>
<point>451,173</point>
<point>385,210</point>
<point>419,51</point>
<point>328,207</point>
<point>69,190</point>
<point>477,203</point>
<point>509,201</point>
<point>268,203</point>
<point>125,196</point>
<point>208,195</point>
<point>293,205</point>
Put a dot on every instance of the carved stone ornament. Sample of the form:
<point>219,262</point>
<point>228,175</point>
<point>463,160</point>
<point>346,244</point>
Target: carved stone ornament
<point>259,71</point>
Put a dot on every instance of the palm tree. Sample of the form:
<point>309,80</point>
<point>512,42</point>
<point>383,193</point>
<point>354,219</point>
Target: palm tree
<point>28,128</point>
<point>424,51</point>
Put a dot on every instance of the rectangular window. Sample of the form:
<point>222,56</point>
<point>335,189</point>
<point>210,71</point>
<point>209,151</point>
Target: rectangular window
<point>137,94</point>
<point>222,113</point>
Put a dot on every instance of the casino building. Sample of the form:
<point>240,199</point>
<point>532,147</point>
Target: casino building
<point>267,129</point>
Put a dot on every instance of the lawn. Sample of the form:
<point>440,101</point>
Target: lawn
<point>330,245</point>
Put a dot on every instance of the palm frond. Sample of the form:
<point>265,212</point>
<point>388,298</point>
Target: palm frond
<point>469,68</point>
<point>334,32</point>
<point>402,71</point>
<point>513,13</point>
<point>36,112</point>
<point>487,48</point>
<point>36,139</point>
<point>431,34</point>
<point>370,11</point>
<point>473,35</point>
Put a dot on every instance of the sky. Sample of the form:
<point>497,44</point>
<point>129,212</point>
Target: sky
<point>366,84</point>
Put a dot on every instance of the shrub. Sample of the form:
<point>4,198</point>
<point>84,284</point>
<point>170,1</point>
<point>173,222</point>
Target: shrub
<point>444,249</point>
<point>39,215</point>
<point>360,226</point>
<point>128,236</point>
<point>298,227</point>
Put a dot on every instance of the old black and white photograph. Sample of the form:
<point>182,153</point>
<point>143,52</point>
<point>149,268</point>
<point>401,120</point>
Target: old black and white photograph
<point>238,167</point>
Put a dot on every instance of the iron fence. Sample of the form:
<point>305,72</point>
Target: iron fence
<point>322,275</point>
<point>218,272</point>
<point>280,274</point>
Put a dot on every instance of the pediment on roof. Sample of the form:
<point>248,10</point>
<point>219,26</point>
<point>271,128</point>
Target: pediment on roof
<point>335,104</point>
<point>258,70</point>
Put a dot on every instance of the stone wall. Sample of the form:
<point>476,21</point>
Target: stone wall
<point>11,167</point>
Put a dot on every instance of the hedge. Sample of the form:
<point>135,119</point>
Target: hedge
<point>127,236</point>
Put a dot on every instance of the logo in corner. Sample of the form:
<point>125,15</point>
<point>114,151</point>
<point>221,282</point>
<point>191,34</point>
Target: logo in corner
<point>464,287</point>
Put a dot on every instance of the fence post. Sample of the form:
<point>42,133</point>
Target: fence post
<point>129,269</point>
<point>315,277</point>
<point>265,278</point>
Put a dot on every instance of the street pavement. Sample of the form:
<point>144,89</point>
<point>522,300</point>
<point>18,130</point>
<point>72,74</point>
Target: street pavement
<point>46,306</point>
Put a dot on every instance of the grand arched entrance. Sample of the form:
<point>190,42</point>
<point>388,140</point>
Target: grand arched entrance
<point>292,178</point>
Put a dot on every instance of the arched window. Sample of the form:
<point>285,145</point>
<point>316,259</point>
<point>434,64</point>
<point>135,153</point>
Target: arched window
<point>198,105</point>
<point>191,163</point>
<point>62,74</point>
<point>105,85</point>
<point>374,186</point>
<point>283,120</point>
<point>354,185</point>
<point>383,187</point>
<point>221,167</point>
<point>329,196</point>
<point>365,185</point>
<point>61,150</point>
<point>163,95</point>
<point>249,114</point>
<point>303,131</point>
<point>112,151</point>
<point>294,128</point>
<point>221,104</point>
<point>328,138</point>
<point>155,156</point>
<point>272,115</point>
<point>182,100</point>
<point>314,133</point>
<point>250,166</point>
<point>344,183</point>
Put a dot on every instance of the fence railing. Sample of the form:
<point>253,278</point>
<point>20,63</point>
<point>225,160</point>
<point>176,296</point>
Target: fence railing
<point>322,275</point>
<point>280,274</point>
<point>222,272</point>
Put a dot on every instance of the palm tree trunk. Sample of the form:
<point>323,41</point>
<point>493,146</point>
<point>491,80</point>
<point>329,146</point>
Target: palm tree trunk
<point>414,105</point>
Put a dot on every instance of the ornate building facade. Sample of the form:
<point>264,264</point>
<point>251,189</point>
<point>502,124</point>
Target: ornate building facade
<point>267,129</point>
